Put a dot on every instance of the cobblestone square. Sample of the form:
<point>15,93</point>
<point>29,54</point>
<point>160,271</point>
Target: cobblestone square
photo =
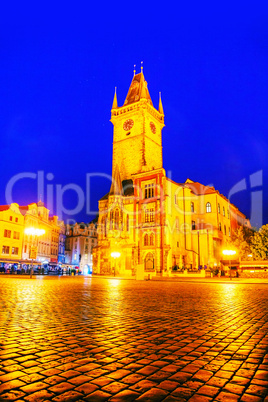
<point>96,339</point>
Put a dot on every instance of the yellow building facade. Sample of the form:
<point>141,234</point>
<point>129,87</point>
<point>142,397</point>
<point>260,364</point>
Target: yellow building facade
<point>11,233</point>
<point>147,219</point>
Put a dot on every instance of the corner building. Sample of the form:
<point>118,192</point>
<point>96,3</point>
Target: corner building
<point>147,218</point>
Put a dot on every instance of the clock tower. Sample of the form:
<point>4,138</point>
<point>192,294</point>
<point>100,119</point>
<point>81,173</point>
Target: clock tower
<point>137,139</point>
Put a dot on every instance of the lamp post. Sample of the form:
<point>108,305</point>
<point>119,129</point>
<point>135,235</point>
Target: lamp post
<point>229,253</point>
<point>115,255</point>
<point>33,252</point>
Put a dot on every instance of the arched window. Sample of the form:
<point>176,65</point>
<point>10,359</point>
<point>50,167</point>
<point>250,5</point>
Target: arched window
<point>220,226</point>
<point>219,208</point>
<point>223,211</point>
<point>151,239</point>
<point>146,240</point>
<point>208,207</point>
<point>224,229</point>
<point>192,207</point>
<point>103,226</point>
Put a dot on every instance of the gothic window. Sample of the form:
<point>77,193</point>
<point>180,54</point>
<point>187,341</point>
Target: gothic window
<point>192,207</point>
<point>151,215</point>
<point>223,211</point>
<point>219,208</point>
<point>208,207</point>
<point>145,241</point>
<point>147,215</point>
<point>149,190</point>
<point>151,239</point>
<point>103,226</point>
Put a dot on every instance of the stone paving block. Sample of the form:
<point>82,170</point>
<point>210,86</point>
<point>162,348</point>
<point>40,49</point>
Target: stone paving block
<point>154,394</point>
<point>36,386</point>
<point>102,381</point>
<point>30,378</point>
<point>143,385</point>
<point>12,395</point>
<point>86,388</point>
<point>208,390</point>
<point>39,396</point>
<point>81,379</point>
<point>180,377</point>
<point>200,398</point>
<point>227,397</point>
<point>114,387</point>
<point>250,398</point>
<point>257,390</point>
<point>11,376</point>
<point>125,396</point>
<point>69,396</point>
<point>117,375</point>
<point>11,385</point>
<point>61,387</point>
<point>98,396</point>
<point>132,378</point>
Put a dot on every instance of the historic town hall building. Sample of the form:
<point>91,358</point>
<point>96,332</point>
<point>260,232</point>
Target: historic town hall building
<point>147,219</point>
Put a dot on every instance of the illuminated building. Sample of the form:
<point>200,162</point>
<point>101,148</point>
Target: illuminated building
<point>149,219</point>
<point>80,239</point>
<point>11,234</point>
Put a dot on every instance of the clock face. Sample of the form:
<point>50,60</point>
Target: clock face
<point>153,128</point>
<point>128,124</point>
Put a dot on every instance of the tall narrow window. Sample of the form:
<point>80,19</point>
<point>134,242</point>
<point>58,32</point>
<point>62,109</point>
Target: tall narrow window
<point>208,207</point>
<point>219,208</point>
<point>220,226</point>
<point>223,211</point>
<point>145,240</point>
<point>111,220</point>
<point>225,230</point>
<point>192,207</point>
<point>127,225</point>
<point>228,213</point>
<point>193,225</point>
<point>151,239</point>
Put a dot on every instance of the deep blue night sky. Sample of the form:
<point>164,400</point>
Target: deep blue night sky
<point>58,71</point>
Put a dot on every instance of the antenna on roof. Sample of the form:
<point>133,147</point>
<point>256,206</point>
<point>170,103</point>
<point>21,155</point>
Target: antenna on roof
<point>134,69</point>
<point>141,66</point>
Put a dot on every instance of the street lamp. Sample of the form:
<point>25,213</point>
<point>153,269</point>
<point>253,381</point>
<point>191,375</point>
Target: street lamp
<point>115,255</point>
<point>229,253</point>
<point>33,252</point>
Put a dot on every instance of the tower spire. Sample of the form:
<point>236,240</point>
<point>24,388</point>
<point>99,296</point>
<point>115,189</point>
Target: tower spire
<point>160,107</point>
<point>115,104</point>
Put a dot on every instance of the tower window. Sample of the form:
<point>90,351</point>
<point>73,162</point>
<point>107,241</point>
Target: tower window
<point>192,207</point>
<point>149,190</point>
<point>208,207</point>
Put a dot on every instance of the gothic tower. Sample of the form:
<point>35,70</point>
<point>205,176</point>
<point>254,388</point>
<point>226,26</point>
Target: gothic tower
<point>137,139</point>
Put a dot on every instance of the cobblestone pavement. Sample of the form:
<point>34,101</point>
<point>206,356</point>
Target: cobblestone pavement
<point>83,339</point>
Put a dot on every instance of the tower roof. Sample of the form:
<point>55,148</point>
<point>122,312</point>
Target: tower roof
<point>138,90</point>
<point>116,186</point>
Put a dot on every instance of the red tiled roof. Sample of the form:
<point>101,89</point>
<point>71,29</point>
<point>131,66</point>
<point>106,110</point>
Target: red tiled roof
<point>4,207</point>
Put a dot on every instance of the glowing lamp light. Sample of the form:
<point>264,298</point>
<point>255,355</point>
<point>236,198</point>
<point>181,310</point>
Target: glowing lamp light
<point>34,232</point>
<point>115,254</point>
<point>228,252</point>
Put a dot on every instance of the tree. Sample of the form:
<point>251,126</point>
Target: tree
<point>242,240</point>
<point>260,244</point>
